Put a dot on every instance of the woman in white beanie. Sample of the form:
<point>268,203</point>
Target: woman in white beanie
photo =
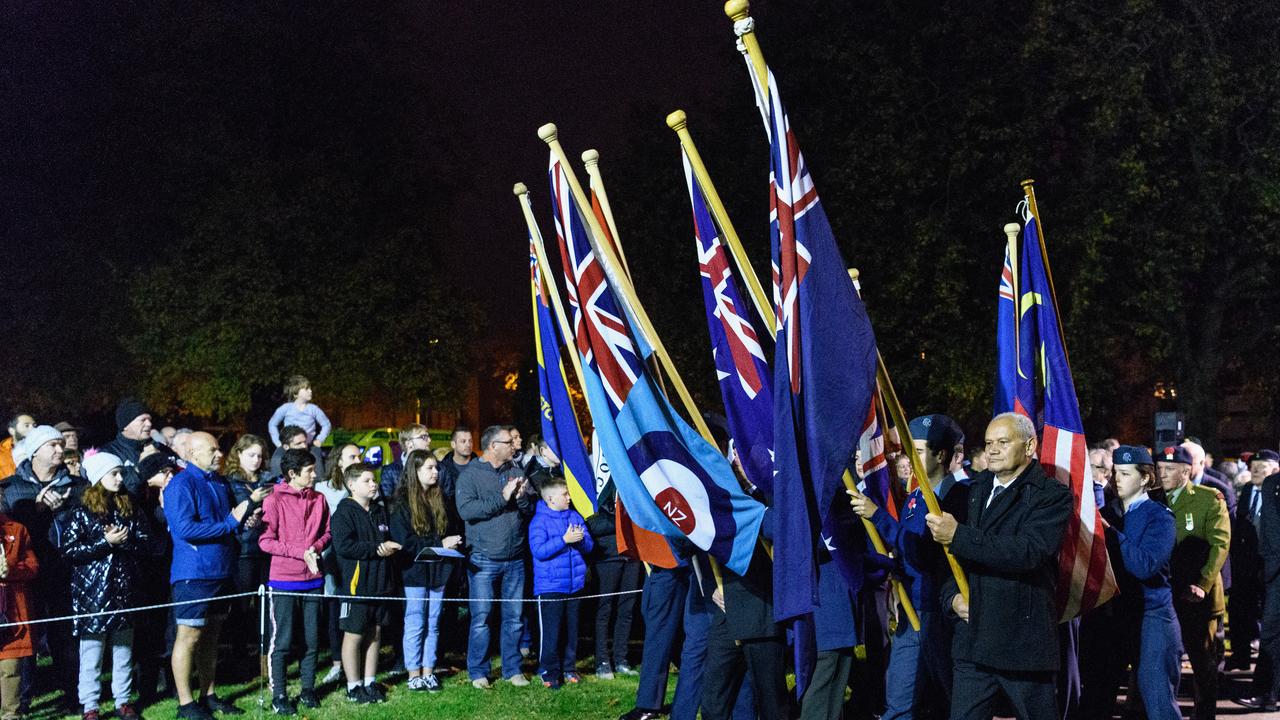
<point>104,541</point>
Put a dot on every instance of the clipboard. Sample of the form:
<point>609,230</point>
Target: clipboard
<point>432,554</point>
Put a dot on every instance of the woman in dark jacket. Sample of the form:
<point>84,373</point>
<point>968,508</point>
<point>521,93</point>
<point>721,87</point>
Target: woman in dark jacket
<point>243,470</point>
<point>104,541</point>
<point>419,521</point>
<point>614,573</point>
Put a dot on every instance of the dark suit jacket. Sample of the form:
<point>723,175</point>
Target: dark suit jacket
<point>1269,537</point>
<point>1010,554</point>
<point>1246,557</point>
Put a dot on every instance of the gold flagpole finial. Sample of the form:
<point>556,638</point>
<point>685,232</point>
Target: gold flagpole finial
<point>520,189</point>
<point>549,132</point>
<point>677,120</point>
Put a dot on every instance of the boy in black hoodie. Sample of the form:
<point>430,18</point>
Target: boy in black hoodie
<point>362,544</point>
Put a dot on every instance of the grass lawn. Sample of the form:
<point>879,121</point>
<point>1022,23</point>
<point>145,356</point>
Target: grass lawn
<point>589,700</point>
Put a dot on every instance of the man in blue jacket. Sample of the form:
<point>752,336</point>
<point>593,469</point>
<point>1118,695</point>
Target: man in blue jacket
<point>197,506</point>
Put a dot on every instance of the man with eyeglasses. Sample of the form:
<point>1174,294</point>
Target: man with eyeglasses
<point>495,500</point>
<point>412,437</point>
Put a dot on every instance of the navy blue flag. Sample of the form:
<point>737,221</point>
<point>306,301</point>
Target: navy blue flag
<point>741,368</point>
<point>824,366</point>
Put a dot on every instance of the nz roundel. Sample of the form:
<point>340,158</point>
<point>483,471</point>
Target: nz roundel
<point>677,483</point>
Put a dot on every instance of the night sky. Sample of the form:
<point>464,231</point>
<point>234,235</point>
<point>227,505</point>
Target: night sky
<point>119,121</point>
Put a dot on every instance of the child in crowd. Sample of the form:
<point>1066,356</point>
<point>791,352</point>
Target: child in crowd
<point>419,521</point>
<point>104,541</point>
<point>362,544</point>
<point>559,543</point>
<point>295,529</point>
<point>334,489</point>
<point>18,568</point>
<point>243,470</point>
<point>298,410</point>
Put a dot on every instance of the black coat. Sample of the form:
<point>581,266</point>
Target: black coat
<point>357,533</point>
<point>1010,554</point>
<point>603,526</point>
<point>1246,551</point>
<point>1269,538</point>
<point>103,576</point>
<point>419,574</point>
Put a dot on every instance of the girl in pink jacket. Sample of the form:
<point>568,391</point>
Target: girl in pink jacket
<point>295,521</point>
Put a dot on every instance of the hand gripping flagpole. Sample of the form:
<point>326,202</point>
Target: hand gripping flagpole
<point>679,122</point>
<point>611,265</point>
<point>899,417</point>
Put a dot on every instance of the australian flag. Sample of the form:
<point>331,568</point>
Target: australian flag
<point>741,368</point>
<point>672,481</point>
<point>560,427</point>
<point>824,367</point>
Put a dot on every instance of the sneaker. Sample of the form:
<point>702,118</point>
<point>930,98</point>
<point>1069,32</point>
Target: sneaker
<point>418,683</point>
<point>334,674</point>
<point>604,671</point>
<point>639,714</point>
<point>374,691</point>
<point>358,695</point>
<point>214,704</point>
<point>127,712</point>
<point>481,684</point>
<point>519,680</point>
<point>308,699</point>
<point>194,711</point>
<point>624,669</point>
<point>281,706</point>
<point>547,682</point>
<point>572,677</point>
<point>432,683</point>
<point>89,715</point>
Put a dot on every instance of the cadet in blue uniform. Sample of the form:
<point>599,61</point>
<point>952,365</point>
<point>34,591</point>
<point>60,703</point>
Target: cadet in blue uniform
<point>919,674</point>
<point>1142,539</point>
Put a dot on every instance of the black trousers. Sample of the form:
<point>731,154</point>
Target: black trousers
<point>1266,677</point>
<point>615,576</point>
<point>824,698</point>
<point>977,688</point>
<point>1244,606</point>
<point>558,628</point>
<point>1199,639</point>
<point>282,611</point>
<point>728,662</point>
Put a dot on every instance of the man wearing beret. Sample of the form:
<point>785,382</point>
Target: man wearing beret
<point>1204,538</point>
<point>1245,602</point>
<point>1266,676</point>
<point>922,568</point>
<point>1008,642</point>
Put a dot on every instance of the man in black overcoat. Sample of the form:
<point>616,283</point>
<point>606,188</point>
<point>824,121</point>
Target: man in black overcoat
<point>1008,546</point>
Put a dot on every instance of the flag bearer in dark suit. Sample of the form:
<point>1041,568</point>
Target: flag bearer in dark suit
<point>1245,602</point>
<point>1204,537</point>
<point>1266,676</point>
<point>1008,642</point>
<point>1140,542</point>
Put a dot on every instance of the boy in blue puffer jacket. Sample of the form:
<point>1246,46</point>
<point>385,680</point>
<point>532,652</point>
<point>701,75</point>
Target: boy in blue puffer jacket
<point>560,543</point>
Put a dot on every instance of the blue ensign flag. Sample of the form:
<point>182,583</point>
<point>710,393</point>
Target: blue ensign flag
<point>672,481</point>
<point>824,366</point>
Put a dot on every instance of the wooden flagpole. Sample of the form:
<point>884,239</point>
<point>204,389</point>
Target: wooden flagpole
<point>899,417</point>
<point>591,160</point>
<point>679,122</point>
<point>1028,188</point>
<point>621,283</point>
<point>548,283</point>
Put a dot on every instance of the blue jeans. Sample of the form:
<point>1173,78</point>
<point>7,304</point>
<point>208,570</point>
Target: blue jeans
<point>904,662</point>
<point>483,573</point>
<point>421,626</point>
<point>92,648</point>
